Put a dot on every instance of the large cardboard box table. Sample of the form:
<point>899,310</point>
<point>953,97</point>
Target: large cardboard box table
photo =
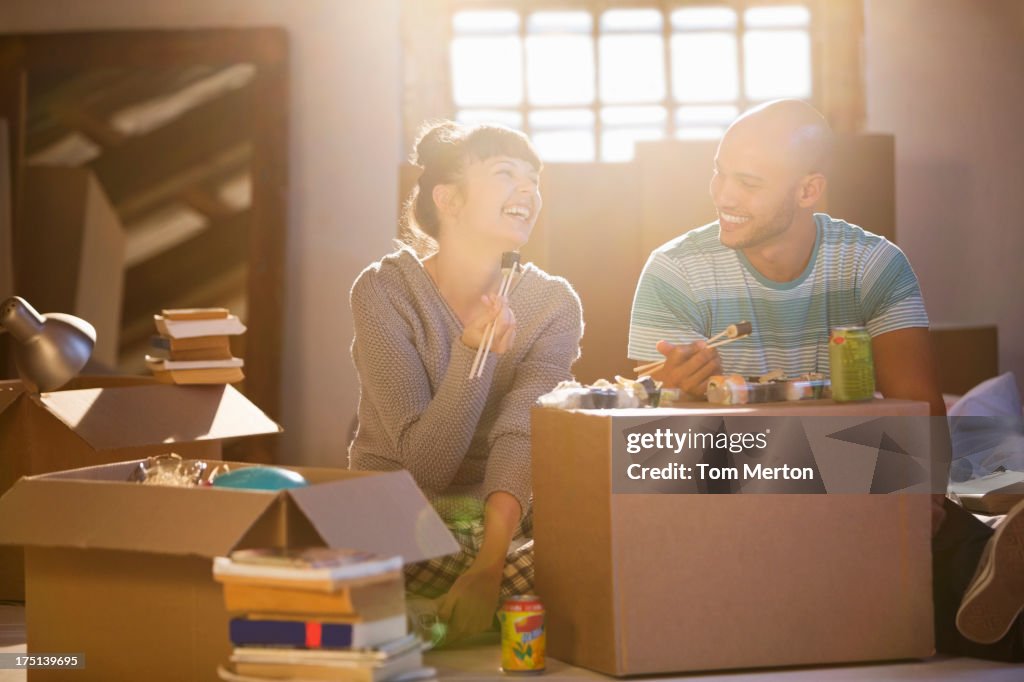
<point>122,572</point>
<point>652,583</point>
<point>97,420</point>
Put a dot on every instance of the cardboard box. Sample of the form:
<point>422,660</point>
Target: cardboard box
<point>97,420</point>
<point>73,258</point>
<point>656,583</point>
<point>122,572</point>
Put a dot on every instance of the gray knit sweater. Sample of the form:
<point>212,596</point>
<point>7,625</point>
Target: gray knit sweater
<point>460,438</point>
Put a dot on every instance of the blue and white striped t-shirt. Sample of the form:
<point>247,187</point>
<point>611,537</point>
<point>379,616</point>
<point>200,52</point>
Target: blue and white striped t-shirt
<point>693,287</point>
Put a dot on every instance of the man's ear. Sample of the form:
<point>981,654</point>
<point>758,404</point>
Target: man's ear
<point>811,190</point>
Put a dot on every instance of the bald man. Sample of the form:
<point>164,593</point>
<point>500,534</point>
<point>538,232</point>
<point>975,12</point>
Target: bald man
<point>796,274</point>
<point>792,273</point>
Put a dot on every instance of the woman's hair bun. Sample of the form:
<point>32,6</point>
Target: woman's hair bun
<point>433,141</point>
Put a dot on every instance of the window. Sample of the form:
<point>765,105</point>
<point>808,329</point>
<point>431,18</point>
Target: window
<point>587,84</point>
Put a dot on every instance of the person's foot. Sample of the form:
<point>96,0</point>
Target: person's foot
<point>996,594</point>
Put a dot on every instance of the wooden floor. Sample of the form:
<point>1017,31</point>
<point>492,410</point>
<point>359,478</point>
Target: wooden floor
<point>480,660</point>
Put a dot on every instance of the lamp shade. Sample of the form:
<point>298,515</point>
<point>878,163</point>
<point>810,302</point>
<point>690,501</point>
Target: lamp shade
<point>50,349</point>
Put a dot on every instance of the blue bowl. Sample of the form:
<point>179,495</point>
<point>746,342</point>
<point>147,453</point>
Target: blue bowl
<point>260,478</point>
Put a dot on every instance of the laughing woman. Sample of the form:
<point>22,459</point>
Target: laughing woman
<point>421,313</point>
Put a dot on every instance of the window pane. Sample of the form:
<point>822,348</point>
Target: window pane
<point>505,117</point>
<point>702,116</point>
<point>777,64</point>
<point>632,68</point>
<point>700,133</point>
<point>620,144</point>
<point>785,16</point>
<point>705,67</point>
<point>565,145</point>
<point>704,123</point>
<point>632,116</point>
<point>487,71</point>
<point>631,20</point>
<point>561,118</point>
<point>703,18</point>
<point>563,134</point>
<point>560,69</point>
<point>623,126</point>
<point>485,21</point>
<point>559,22</point>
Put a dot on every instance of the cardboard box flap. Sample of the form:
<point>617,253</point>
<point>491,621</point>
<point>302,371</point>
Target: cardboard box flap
<point>48,511</point>
<point>384,513</point>
<point>134,416</point>
<point>9,392</point>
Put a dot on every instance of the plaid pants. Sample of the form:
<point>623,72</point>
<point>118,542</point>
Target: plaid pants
<point>433,578</point>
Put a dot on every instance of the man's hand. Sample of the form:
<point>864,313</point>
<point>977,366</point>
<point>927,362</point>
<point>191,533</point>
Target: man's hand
<point>688,367</point>
<point>469,606</point>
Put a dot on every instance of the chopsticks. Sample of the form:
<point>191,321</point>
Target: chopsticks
<point>509,264</point>
<point>734,332</point>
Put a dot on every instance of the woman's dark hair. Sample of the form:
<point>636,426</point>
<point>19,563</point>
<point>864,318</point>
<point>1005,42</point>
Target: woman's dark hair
<point>442,151</point>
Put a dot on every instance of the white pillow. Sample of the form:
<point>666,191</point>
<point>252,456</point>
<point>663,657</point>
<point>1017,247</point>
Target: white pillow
<point>995,397</point>
<point>987,429</point>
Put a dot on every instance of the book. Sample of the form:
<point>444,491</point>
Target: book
<point>190,328</point>
<point>195,313</point>
<point>996,493</point>
<point>316,633</point>
<point>341,657</point>
<point>163,364</point>
<point>220,343</point>
<point>379,664</point>
<point>316,567</point>
<point>364,600</point>
<point>213,375</point>
<point>423,674</point>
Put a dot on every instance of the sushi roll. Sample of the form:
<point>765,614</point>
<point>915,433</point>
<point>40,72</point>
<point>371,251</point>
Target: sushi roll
<point>799,390</point>
<point>810,386</point>
<point>728,390</point>
<point>734,331</point>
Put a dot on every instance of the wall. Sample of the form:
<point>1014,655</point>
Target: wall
<point>947,78</point>
<point>344,148</point>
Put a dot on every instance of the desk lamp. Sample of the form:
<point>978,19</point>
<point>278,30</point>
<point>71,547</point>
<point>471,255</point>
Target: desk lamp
<point>49,349</point>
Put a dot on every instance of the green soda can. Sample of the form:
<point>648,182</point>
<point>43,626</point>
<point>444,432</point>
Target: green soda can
<point>851,364</point>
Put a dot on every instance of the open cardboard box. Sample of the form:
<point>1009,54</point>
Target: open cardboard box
<point>122,572</point>
<point>656,583</point>
<point>97,420</point>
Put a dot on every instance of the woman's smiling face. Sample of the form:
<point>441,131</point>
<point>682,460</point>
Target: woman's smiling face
<point>499,199</point>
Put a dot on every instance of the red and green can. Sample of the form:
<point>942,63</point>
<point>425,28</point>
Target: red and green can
<point>523,637</point>
<point>851,364</point>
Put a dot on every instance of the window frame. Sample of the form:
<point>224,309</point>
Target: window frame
<point>523,8</point>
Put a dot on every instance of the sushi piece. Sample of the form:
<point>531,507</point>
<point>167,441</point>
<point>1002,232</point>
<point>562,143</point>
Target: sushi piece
<point>728,390</point>
<point>734,331</point>
<point>810,386</point>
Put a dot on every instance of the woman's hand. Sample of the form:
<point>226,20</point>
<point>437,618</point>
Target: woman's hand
<point>498,311</point>
<point>468,607</point>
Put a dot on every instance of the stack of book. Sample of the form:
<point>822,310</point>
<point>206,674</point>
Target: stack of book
<point>193,347</point>
<point>317,614</point>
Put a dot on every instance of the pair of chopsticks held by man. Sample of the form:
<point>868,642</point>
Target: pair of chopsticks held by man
<point>452,349</point>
